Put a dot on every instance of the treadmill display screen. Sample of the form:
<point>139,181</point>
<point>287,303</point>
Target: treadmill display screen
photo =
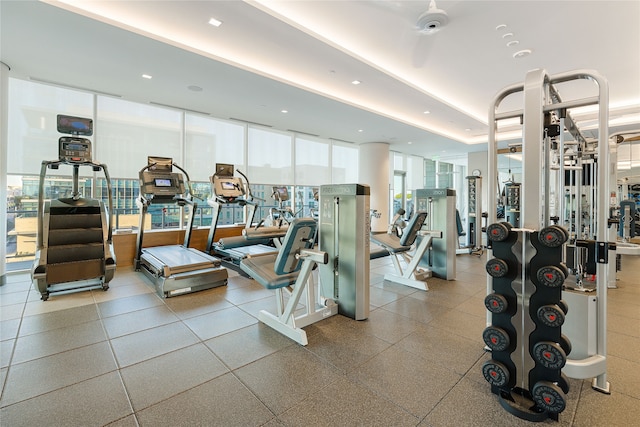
<point>163,182</point>
<point>227,185</point>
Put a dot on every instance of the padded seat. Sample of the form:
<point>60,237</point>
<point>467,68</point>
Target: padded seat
<point>290,272</point>
<point>395,244</point>
<point>262,269</point>
<point>399,246</point>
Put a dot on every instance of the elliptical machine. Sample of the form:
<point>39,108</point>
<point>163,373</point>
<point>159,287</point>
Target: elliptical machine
<point>74,247</point>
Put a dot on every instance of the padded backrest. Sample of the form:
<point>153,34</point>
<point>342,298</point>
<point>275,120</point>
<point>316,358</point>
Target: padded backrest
<point>299,236</point>
<point>459,224</point>
<point>412,229</point>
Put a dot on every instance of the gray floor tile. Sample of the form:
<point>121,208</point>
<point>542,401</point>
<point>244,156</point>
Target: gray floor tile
<point>33,346</point>
<point>128,304</point>
<point>198,303</point>
<point>597,409</point>
<point>450,351</point>
<point>346,403</point>
<point>624,375</point>
<point>58,319</point>
<point>415,309</point>
<point>9,329</point>
<point>283,379</point>
<point>407,380</point>
<point>441,298</point>
<point>134,348</point>
<point>379,297</point>
<point>343,346</point>
<point>29,379</point>
<point>13,311</point>
<point>219,322</point>
<point>623,325</point>
<point>6,351</point>
<point>471,404</point>
<point>139,320</point>
<point>129,421</point>
<point>623,346</point>
<point>249,293</point>
<point>14,298</point>
<point>68,406</point>
<point>253,308</point>
<point>386,325</point>
<point>461,323</point>
<point>159,378</point>
<point>223,401</point>
<point>257,341</point>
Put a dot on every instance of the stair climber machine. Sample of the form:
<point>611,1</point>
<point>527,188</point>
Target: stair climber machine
<point>74,248</point>
<point>528,307</point>
<point>173,269</point>
<point>230,189</point>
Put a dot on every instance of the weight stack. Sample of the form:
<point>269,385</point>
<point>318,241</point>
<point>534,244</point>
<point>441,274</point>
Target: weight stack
<point>527,346</point>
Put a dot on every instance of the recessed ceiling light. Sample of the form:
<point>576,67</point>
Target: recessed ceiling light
<point>194,88</point>
<point>507,35</point>
<point>513,43</point>
<point>284,111</point>
<point>427,112</point>
<point>522,53</point>
<point>359,130</point>
<point>501,27</point>
<point>468,129</point>
<point>356,82</point>
<point>215,22</point>
<point>409,142</point>
<point>147,76</point>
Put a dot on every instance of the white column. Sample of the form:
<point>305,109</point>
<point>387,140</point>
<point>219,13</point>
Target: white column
<point>374,171</point>
<point>4,120</point>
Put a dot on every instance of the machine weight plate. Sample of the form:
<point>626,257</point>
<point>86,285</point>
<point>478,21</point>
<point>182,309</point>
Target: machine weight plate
<point>549,396</point>
<point>550,276</point>
<point>551,315</point>
<point>563,306</point>
<point>498,231</point>
<point>549,354</point>
<point>565,344</point>
<point>495,338</point>
<point>495,373</point>
<point>495,303</point>
<point>552,236</point>
<point>563,383</point>
<point>497,267</point>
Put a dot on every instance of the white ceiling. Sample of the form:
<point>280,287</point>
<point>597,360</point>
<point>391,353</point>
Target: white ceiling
<point>301,56</point>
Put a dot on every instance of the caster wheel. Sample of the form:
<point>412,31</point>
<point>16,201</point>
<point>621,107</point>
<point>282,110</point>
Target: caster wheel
<point>495,338</point>
<point>549,354</point>
<point>497,268</point>
<point>549,396</point>
<point>44,296</point>
<point>495,303</point>
<point>105,287</point>
<point>495,373</point>
<point>498,231</point>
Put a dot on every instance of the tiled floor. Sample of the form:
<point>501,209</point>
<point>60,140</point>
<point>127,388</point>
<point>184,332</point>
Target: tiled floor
<point>126,357</point>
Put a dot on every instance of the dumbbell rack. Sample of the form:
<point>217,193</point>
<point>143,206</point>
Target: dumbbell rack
<point>527,347</point>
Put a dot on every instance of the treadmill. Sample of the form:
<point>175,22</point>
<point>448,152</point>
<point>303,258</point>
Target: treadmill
<point>173,269</point>
<point>230,189</point>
